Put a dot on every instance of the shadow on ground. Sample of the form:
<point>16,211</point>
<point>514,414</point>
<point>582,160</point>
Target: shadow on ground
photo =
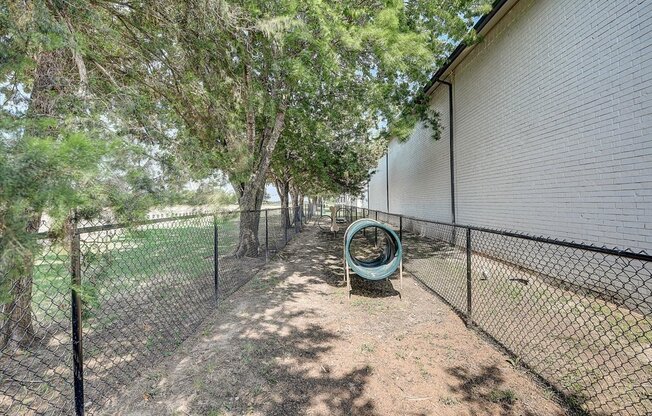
<point>291,343</point>
<point>259,353</point>
<point>333,265</point>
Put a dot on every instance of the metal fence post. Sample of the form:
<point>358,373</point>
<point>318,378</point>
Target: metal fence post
<point>376,232</point>
<point>400,228</point>
<point>266,237</point>
<point>216,260</point>
<point>76,305</point>
<point>469,309</point>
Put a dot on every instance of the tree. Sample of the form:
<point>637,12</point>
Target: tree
<point>58,152</point>
<point>230,73</point>
<point>201,86</point>
<point>37,56</point>
<point>280,176</point>
<point>325,152</point>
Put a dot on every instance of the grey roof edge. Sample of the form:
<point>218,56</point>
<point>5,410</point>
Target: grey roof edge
<point>479,25</point>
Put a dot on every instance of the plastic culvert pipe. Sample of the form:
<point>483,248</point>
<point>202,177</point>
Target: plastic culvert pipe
<point>382,266</point>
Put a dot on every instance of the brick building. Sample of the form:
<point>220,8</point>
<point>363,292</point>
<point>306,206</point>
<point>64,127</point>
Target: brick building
<point>551,130</point>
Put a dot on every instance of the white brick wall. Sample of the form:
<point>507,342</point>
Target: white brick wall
<point>377,187</point>
<point>553,129</point>
<point>419,170</point>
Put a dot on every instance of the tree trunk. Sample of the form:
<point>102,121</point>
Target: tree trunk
<point>50,85</point>
<point>17,328</point>
<point>283,189</point>
<point>301,211</point>
<point>294,196</point>
<point>250,199</point>
<point>252,193</point>
<point>296,207</point>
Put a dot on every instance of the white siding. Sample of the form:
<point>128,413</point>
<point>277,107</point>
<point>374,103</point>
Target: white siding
<point>553,128</point>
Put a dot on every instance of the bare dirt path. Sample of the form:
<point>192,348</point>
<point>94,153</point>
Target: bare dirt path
<point>290,342</point>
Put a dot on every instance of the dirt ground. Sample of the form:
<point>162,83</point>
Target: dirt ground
<point>290,342</point>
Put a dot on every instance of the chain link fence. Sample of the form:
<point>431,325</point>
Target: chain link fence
<point>112,300</point>
<point>36,360</point>
<point>575,315</point>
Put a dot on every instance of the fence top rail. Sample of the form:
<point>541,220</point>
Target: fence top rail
<point>625,253</point>
<point>107,227</point>
<point>114,226</point>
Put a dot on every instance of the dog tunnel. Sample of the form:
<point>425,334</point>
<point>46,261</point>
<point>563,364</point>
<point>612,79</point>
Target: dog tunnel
<point>377,268</point>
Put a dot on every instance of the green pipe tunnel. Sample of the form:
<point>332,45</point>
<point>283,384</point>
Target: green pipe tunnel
<point>380,267</point>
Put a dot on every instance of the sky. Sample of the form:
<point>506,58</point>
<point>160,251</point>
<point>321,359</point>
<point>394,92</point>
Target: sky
<point>273,195</point>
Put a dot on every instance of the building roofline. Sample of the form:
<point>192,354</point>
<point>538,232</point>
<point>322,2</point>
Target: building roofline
<point>479,25</point>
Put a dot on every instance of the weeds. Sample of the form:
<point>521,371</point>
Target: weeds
<point>502,396</point>
<point>367,348</point>
<point>449,401</point>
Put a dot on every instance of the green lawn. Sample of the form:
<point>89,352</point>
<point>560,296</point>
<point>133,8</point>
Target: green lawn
<point>120,261</point>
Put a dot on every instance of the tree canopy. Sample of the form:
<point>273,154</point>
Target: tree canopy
<point>109,105</point>
<point>224,80</point>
